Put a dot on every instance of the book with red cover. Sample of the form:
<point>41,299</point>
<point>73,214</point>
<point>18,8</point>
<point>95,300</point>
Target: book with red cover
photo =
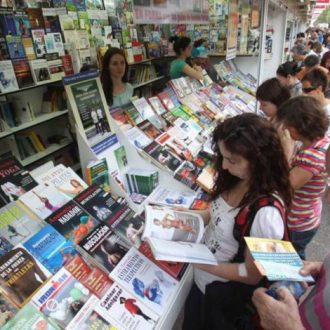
<point>166,101</point>
<point>175,269</point>
<point>23,72</point>
<point>67,64</point>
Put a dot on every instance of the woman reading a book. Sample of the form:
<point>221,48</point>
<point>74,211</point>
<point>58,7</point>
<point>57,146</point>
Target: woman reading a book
<point>114,79</point>
<point>249,197</point>
<point>179,67</point>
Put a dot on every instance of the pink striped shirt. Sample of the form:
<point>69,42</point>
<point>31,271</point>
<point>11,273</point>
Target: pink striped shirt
<point>305,211</point>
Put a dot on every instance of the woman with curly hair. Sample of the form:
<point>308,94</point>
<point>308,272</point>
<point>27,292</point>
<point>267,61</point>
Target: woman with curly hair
<point>117,90</point>
<point>251,188</point>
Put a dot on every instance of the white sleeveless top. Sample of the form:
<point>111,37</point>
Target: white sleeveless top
<point>218,236</point>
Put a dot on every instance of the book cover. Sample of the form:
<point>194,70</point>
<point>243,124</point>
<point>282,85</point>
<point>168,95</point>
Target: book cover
<point>35,18</point>
<point>8,310</point>
<point>276,259</point>
<point>136,137</point>
<point>64,179</point>
<point>40,71</point>
<point>62,299</point>
<point>157,105</point>
<point>8,82</point>
<point>142,278</point>
<point>97,202</point>
<point>92,277</point>
<point>51,20</point>
<point>15,225</point>
<point>175,269</point>
<point>29,318</point>
<point>121,118</point>
<point>72,222</point>
<point>133,115</point>
<point>187,173</point>
<point>50,248</point>
<point>4,53</point>
<point>149,129</point>
<point>43,200</point>
<point>7,24</point>
<point>97,172</point>
<point>125,311</point>
<point>21,275</point>
<point>166,101</point>
<point>104,246</point>
<point>39,42</point>
<point>14,179</point>
<point>28,48</point>
<point>22,23</point>
<point>56,68</point>
<point>126,225</point>
<point>23,73</point>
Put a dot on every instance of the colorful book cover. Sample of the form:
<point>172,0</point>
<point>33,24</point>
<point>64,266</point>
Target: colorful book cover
<point>4,53</point>
<point>98,173</point>
<point>44,200</point>
<point>72,222</point>
<point>62,299</point>
<point>92,277</point>
<point>21,275</point>
<point>29,318</point>
<point>175,269</point>
<point>23,73</point>
<point>276,259</point>
<point>51,21</point>
<point>23,26</point>
<point>39,42</point>
<point>15,225</point>
<point>104,246</point>
<point>125,311</point>
<point>50,248</point>
<point>8,310</point>
<point>14,179</point>
<point>28,48</point>
<point>15,46</point>
<point>126,225</point>
<point>7,24</point>
<point>188,173</point>
<point>8,82</point>
<point>40,71</point>
<point>142,278</point>
<point>35,18</point>
<point>97,202</point>
<point>64,179</point>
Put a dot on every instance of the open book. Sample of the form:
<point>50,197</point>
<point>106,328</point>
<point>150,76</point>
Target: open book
<point>176,236</point>
<point>275,259</point>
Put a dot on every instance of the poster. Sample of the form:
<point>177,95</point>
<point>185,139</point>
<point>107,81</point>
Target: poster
<point>170,11</point>
<point>233,16</point>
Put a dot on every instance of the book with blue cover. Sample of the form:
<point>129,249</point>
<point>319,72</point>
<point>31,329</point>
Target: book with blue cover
<point>50,248</point>
<point>15,47</point>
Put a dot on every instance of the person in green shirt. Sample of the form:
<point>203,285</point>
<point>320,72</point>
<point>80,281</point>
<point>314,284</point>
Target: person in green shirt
<point>179,67</point>
<point>117,90</point>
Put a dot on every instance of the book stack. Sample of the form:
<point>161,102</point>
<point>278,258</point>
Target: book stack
<point>142,181</point>
<point>70,259</point>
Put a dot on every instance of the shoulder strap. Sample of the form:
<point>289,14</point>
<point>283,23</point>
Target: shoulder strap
<point>244,220</point>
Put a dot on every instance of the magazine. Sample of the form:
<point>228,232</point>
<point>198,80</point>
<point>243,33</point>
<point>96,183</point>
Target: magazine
<point>276,259</point>
<point>142,278</point>
<point>175,236</point>
<point>125,311</point>
<point>8,310</point>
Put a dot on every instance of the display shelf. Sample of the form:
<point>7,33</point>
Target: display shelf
<point>39,120</point>
<point>148,82</point>
<point>223,55</point>
<point>31,87</point>
<point>50,150</point>
<point>140,62</point>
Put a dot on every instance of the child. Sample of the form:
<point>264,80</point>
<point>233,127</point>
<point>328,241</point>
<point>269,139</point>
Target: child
<point>250,167</point>
<point>307,122</point>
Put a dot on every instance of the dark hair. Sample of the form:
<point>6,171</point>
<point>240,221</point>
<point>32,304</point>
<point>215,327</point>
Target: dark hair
<point>105,73</point>
<point>255,139</point>
<point>199,42</point>
<point>311,60</point>
<point>317,47</point>
<point>180,43</point>
<point>306,115</point>
<point>288,68</point>
<point>325,57</point>
<point>272,91</point>
<point>316,77</point>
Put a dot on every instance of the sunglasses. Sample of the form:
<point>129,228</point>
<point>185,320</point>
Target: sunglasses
<point>307,90</point>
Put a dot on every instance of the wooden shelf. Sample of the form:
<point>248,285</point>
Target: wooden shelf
<point>148,82</point>
<point>30,87</point>
<point>38,120</point>
<point>50,150</point>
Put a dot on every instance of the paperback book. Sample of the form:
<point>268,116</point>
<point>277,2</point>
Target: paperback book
<point>15,46</point>
<point>176,236</point>
<point>72,222</point>
<point>21,275</point>
<point>8,310</point>
<point>142,278</point>
<point>97,172</point>
<point>23,73</point>
<point>104,247</point>
<point>142,181</point>
<point>14,179</point>
<point>8,82</point>
<point>40,71</point>
<point>97,202</point>
<point>43,200</point>
<point>50,248</point>
<point>124,311</point>
<point>38,36</point>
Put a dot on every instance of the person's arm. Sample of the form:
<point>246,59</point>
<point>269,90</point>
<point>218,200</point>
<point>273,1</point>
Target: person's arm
<point>190,72</point>
<point>327,160</point>
<point>299,177</point>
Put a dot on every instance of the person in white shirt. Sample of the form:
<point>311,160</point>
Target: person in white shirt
<point>250,166</point>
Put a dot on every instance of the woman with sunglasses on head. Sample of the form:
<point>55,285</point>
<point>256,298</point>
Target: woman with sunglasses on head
<point>117,90</point>
<point>286,74</point>
<point>250,168</point>
<point>179,67</point>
